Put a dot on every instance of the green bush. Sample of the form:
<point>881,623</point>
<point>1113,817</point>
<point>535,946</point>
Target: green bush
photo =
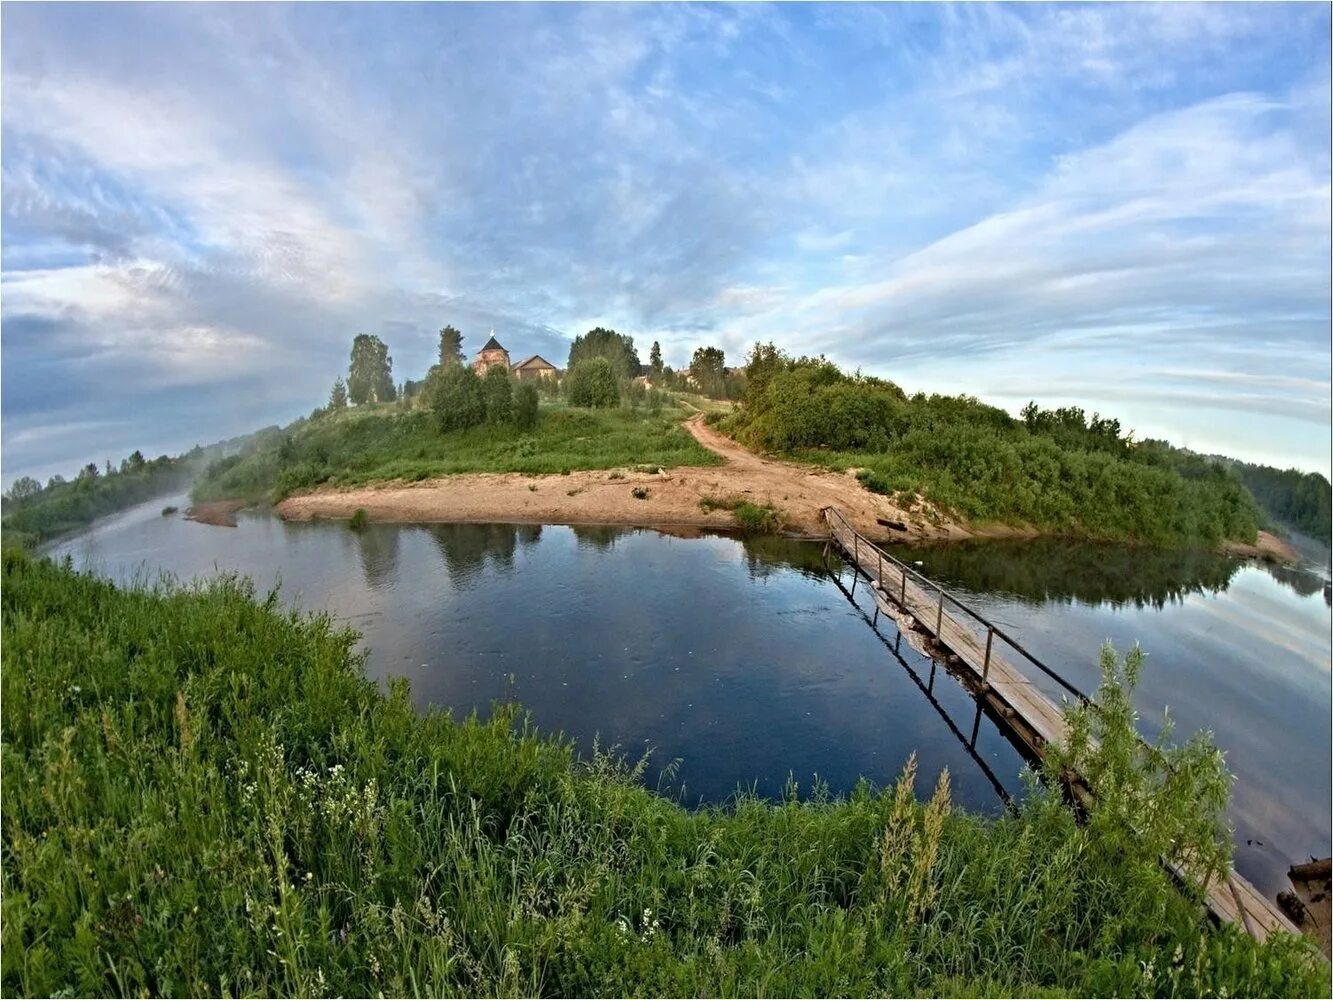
<point>454,394</point>
<point>359,519</point>
<point>526,404</point>
<point>204,795</point>
<point>592,383</point>
<point>497,391</point>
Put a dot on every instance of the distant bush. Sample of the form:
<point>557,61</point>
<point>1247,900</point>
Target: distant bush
<point>359,519</point>
<point>168,510</point>
<point>454,394</point>
<point>497,392</point>
<point>526,406</point>
<point>592,383</point>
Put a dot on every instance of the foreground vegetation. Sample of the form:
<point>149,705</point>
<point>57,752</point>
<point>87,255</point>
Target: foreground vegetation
<point>204,795</point>
<point>377,444</point>
<point>1054,470</point>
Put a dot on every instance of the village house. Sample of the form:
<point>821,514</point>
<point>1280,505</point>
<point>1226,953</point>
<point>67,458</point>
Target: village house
<point>491,355</point>
<point>535,367</point>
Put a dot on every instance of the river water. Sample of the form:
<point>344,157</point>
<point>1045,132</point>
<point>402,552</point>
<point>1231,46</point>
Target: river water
<point>740,663</point>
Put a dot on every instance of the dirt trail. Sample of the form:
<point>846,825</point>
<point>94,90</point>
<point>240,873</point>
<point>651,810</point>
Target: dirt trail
<point>606,496</point>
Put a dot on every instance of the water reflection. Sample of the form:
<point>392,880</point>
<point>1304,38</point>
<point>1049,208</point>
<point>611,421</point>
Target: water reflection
<point>598,537</point>
<point>1299,579</point>
<point>1047,570</point>
<point>377,545</point>
<point>468,549</point>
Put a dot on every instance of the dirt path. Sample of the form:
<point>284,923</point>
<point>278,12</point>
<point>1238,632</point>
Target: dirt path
<point>797,492</point>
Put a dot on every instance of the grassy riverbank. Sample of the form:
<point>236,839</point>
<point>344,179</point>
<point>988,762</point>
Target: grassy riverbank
<point>385,443</point>
<point>203,795</point>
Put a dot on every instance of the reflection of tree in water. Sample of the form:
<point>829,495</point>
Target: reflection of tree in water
<point>1298,578</point>
<point>766,554</point>
<point>377,545</point>
<point>468,547</point>
<point>1053,569</point>
<point>597,536</point>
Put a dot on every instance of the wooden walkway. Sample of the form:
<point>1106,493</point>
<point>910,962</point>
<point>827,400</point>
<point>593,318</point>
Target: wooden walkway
<point>999,672</point>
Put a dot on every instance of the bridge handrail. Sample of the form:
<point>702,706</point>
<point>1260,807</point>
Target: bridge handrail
<point>929,584</point>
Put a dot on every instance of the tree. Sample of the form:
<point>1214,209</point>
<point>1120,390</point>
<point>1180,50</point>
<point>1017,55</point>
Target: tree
<point>370,373</point>
<point>136,460</point>
<point>451,346</point>
<point>89,471</point>
<point>616,348</point>
<point>763,362</point>
<point>525,406</point>
<point>453,393</point>
<point>655,360</point>
<point>24,488</point>
<point>497,391</point>
<point>54,481</point>
<point>593,383</point>
<point>708,369</point>
<point>338,397</point>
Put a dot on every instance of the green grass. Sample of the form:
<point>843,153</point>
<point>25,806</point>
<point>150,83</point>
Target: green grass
<point>386,443</point>
<point>751,517</point>
<point>203,795</point>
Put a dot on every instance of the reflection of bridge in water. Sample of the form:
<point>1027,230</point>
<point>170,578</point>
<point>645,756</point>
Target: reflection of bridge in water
<point>927,688</point>
<point>984,658</point>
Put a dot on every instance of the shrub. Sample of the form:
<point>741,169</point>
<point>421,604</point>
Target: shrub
<point>752,517</point>
<point>168,510</point>
<point>359,519</point>
<point>592,383</point>
<point>497,392</point>
<point>525,406</point>
<point>454,395</point>
<point>639,493</point>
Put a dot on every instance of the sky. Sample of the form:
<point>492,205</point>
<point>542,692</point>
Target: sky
<point>1121,207</point>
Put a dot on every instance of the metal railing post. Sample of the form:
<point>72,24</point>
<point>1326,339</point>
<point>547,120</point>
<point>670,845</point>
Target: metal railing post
<point>985,666</point>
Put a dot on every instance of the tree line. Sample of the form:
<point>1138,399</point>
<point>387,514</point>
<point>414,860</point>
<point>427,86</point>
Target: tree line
<point>1059,470</point>
<point>34,513</point>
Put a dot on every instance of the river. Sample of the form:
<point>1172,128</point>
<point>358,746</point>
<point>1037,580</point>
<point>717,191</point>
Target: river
<point>739,663</point>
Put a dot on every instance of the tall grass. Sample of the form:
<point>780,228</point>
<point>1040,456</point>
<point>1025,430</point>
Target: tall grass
<point>378,444</point>
<point>204,795</point>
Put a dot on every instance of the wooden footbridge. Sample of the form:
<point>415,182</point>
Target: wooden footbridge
<point>999,672</point>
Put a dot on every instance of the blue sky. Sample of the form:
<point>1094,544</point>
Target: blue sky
<point>1122,207</point>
